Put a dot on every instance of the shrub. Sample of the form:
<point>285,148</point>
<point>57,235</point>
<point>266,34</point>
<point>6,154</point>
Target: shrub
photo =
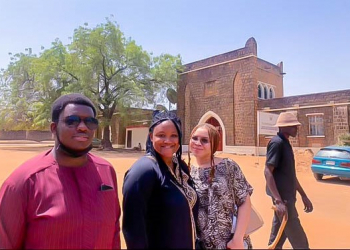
<point>344,139</point>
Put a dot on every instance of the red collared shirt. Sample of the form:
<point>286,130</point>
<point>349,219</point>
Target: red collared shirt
<point>43,205</point>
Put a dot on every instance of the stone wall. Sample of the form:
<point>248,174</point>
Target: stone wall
<point>33,135</point>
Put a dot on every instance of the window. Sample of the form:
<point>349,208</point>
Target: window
<point>333,153</point>
<point>265,93</point>
<point>260,93</point>
<point>316,126</point>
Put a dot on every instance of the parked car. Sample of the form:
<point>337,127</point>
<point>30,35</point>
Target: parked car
<point>333,161</point>
<point>96,143</point>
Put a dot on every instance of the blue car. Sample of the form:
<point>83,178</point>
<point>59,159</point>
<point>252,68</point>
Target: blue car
<point>333,161</point>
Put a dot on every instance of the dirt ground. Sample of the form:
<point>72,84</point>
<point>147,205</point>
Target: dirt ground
<point>327,227</point>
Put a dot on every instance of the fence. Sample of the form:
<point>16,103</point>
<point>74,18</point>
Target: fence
<point>33,135</point>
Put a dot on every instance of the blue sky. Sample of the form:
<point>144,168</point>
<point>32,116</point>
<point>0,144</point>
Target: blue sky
<point>311,37</point>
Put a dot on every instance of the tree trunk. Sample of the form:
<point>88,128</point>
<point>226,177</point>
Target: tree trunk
<point>106,142</point>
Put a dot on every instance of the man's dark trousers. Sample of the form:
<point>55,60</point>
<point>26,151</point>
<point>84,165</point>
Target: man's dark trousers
<point>293,230</point>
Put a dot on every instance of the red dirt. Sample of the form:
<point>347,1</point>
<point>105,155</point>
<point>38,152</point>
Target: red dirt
<point>327,226</point>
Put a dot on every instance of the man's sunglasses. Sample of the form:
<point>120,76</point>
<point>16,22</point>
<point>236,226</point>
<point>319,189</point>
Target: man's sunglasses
<point>74,121</point>
<point>202,140</point>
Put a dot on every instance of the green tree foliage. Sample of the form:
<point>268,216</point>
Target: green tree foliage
<point>17,87</point>
<point>344,139</point>
<point>99,62</point>
<point>111,69</point>
<point>165,70</point>
<point>52,80</point>
<point>4,97</point>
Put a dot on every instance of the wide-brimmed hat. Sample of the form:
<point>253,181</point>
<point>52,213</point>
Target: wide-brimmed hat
<point>287,119</point>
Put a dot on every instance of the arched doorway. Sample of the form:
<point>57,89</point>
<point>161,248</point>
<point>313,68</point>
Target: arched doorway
<point>216,124</point>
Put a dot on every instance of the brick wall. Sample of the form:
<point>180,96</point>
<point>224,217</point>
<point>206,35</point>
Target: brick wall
<point>218,84</point>
<point>245,97</point>
<point>340,120</point>
<point>333,105</point>
<point>206,90</point>
<point>342,96</point>
<point>250,48</point>
<point>226,84</point>
<point>271,74</point>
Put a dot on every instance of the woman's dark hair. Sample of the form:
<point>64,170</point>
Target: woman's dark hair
<point>61,102</point>
<point>214,139</point>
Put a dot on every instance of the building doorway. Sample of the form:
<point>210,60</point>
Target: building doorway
<point>128,138</point>
<point>216,124</point>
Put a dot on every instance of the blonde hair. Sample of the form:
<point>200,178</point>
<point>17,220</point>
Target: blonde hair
<point>214,139</point>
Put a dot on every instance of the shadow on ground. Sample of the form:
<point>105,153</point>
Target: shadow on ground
<point>334,180</point>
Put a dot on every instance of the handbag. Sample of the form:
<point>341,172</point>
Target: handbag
<point>255,221</point>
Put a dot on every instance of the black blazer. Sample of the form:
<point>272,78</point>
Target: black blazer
<point>155,212</point>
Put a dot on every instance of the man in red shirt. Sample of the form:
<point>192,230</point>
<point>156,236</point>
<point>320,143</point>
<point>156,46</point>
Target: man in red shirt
<point>64,198</point>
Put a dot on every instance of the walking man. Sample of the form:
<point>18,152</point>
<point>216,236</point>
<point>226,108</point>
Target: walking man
<point>64,198</point>
<point>282,183</point>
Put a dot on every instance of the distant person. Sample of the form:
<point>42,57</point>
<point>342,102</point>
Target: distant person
<point>159,199</point>
<point>64,198</point>
<point>282,183</point>
<point>223,191</point>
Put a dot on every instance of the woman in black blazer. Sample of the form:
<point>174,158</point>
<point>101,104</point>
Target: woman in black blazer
<point>159,200</point>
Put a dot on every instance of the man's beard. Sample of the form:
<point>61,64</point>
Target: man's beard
<point>69,151</point>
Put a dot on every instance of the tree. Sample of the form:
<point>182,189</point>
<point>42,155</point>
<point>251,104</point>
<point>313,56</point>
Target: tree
<point>101,63</point>
<point>4,97</point>
<point>115,72</point>
<point>110,69</point>
<point>17,87</point>
<point>165,70</point>
<point>53,77</point>
<point>33,83</point>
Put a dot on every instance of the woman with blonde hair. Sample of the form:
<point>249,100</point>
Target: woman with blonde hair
<point>223,192</point>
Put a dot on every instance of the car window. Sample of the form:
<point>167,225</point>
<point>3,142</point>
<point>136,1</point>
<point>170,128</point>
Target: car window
<point>333,153</point>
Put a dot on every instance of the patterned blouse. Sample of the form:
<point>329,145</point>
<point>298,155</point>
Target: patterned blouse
<point>218,202</point>
<point>189,193</point>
